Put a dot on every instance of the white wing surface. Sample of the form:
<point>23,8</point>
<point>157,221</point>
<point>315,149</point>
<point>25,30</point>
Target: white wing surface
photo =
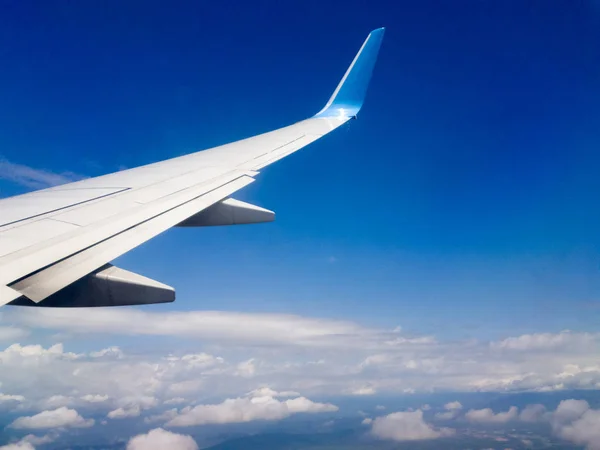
<point>56,244</point>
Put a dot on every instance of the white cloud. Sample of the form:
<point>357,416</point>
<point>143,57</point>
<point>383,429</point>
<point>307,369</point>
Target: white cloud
<point>406,426</point>
<point>203,360</point>
<point>446,415</point>
<point>583,431</point>
<point>94,398</point>
<point>453,406</point>
<point>576,422</point>
<point>486,415</point>
<point>246,368</point>
<point>34,178</point>
<point>573,420</point>
<point>532,413</point>
<point>159,439</point>
<point>56,401</point>
<point>61,417</point>
<point>569,410</point>
<point>266,391</point>
<point>377,361</point>
<point>247,409</point>
<point>276,329</point>
<point>123,413</point>
<point>452,411</point>
<point>367,421</point>
<point>111,352</point>
<point>364,390</point>
<point>304,405</point>
<point>4,398</point>
<point>40,440</point>
<point>545,341</point>
<point>34,352</point>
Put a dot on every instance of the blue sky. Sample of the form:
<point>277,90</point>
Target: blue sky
<point>461,206</point>
<point>464,195</point>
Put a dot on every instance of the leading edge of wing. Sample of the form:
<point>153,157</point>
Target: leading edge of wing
<point>349,96</point>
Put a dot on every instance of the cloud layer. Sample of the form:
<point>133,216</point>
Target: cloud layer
<point>239,368</point>
<point>329,357</point>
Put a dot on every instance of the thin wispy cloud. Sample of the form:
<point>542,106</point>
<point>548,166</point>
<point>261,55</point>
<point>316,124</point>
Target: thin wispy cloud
<point>34,178</point>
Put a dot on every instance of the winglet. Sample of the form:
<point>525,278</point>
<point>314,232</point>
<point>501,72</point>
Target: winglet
<point>349,95</point>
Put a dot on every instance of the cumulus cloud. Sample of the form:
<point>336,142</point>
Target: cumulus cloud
<point>574,421</point>
<point>569,410</point>
<point>40,440</point>
<point>247,409</point>
<point>584,431</point>
<point>486,415</point>
<point>453,406</point>
<point>123,413</point>
<point>159,439</point>
<point>34,353</point>
<point>406,426</point>
<point>111,352</point>
<point>532,413</point>
<point>452,411</point>
<point>61,417</point>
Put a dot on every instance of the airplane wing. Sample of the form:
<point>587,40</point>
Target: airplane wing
<point>56,244</point>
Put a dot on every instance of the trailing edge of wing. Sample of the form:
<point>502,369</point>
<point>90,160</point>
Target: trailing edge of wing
<point>229,212</point>
<point>7,295</point>
<point>107,286</point>
<point>348,97</point>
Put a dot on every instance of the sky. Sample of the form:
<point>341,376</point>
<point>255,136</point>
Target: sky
<point>455,220</point>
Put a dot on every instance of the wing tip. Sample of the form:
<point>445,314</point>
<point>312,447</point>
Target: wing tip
<point>348,98</point>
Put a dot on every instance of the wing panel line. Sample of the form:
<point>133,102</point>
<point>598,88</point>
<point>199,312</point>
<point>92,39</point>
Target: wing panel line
<point>46,282</point>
